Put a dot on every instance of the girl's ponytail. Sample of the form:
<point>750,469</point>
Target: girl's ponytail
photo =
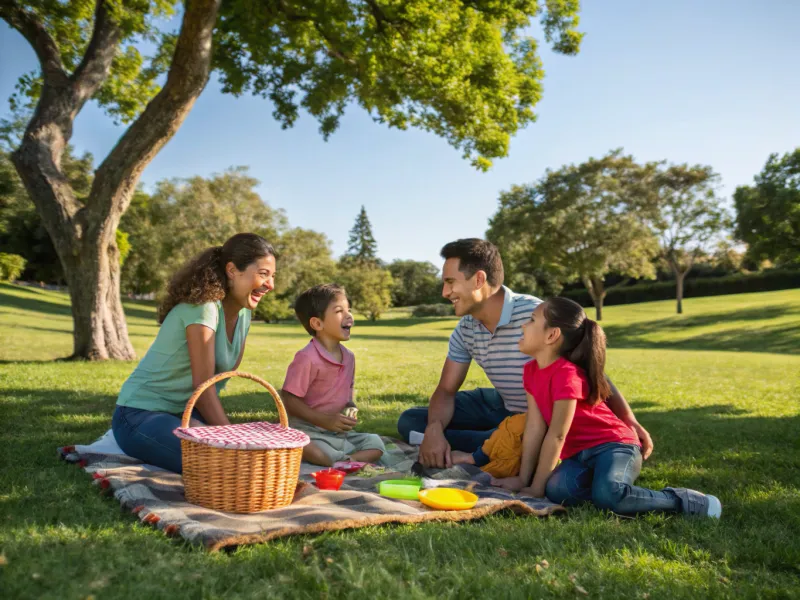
<point>584,343</point>
<point>590,355</point>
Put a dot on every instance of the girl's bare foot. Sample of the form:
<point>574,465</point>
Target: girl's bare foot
<point>461,458</point>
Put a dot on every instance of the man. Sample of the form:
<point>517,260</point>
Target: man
<point>490,326</point>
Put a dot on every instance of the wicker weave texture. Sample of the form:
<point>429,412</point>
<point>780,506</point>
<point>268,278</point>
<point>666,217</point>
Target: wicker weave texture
<point>238,481</point>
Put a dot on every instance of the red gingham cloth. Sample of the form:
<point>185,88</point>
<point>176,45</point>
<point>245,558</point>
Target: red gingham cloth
<point>245,436</point>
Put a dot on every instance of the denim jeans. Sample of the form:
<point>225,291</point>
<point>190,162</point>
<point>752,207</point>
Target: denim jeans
<point>604,476</point>
<point>477,414</point>
<point>147,435</point>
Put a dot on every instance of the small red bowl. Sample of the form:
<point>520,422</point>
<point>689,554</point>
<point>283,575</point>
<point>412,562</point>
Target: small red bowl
<point>329,479</point>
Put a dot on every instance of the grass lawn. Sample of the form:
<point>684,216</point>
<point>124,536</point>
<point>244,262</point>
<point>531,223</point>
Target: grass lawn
<point>718,388</point>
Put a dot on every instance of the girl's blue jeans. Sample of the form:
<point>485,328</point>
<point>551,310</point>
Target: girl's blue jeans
<point>147,435</point>
<point>604,476</point>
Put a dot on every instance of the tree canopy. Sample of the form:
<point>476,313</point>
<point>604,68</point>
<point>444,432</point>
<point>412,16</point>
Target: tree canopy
<point>768,212</point>
<point>580,222</point>
<point>464,70</point>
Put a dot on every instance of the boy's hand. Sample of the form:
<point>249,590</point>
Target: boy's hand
<point>337,423</point>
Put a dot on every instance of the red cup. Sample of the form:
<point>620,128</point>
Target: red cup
<point>329,479</point>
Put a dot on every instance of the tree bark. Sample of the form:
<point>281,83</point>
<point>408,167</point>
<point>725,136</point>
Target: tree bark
<point>680,274</point>
<point>596,289</point>
<point>84,235</point>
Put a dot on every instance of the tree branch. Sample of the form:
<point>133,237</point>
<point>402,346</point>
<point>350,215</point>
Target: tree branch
<point>118,175</point>
<point>96,64</point>
<point>33,30</point>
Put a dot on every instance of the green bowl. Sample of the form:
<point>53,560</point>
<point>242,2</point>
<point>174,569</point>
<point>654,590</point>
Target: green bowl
<point>400,489</point>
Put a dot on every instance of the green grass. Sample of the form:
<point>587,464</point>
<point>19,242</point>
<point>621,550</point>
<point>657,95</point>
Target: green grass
<point>717,387</point>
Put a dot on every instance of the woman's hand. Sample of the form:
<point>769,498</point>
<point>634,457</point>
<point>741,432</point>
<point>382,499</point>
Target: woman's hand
<point>512,484</point>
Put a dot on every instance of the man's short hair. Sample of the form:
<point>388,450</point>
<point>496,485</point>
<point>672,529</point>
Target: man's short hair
<point>314,302</point>
<point>475,255</point>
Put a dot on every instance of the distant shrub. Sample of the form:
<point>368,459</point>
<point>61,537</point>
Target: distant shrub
<point>767,281</point>
<point>11,265</point>
<point>433,310</point>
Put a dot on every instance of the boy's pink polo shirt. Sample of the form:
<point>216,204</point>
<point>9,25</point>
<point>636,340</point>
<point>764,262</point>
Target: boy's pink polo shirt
<point>322,382</point>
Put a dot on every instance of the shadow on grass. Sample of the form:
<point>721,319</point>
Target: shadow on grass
<point>782,338</point>
<point>35,301</point>
<point>39,301</point>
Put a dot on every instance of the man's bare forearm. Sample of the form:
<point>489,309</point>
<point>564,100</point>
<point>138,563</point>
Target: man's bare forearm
<point>441,407</point>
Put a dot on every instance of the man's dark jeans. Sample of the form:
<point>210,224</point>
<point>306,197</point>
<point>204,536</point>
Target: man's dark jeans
<point>476,416</point>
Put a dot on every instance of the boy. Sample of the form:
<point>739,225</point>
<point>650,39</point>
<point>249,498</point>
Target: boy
<point>318,387</point>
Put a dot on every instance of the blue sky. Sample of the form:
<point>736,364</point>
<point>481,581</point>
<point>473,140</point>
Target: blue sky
<point>709,81</point>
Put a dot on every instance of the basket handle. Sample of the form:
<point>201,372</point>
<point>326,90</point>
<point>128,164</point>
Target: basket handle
<point>187,412</point>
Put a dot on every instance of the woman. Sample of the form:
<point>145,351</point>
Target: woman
<point>204,320</point>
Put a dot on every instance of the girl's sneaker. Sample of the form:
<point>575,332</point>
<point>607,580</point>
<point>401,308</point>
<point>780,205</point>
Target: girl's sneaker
<point>697,503</point>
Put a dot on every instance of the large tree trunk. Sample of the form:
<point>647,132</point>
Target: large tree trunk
<point>596,288</point>
<point>100,330</point>
<point>84,234</point>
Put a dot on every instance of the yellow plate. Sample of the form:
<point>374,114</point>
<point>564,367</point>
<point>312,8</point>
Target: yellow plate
<point>448,498</point>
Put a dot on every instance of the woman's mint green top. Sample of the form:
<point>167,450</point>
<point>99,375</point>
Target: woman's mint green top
<point>162,381</point>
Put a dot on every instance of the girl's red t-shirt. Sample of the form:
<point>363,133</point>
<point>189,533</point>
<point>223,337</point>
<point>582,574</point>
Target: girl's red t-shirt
<point>592,425</point>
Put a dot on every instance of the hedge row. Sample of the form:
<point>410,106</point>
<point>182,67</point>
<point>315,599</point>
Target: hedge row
<point>433,310</point>
<point>694,288</point>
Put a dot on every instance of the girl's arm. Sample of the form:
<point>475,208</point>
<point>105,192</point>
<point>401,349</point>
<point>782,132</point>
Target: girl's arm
<point>620,407</point>
<point>200,342</point>
<point>535,429</point>
<point>563,412</point>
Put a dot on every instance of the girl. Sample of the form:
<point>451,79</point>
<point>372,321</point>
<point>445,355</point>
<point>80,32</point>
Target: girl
<point>569,419</point>
<point>204,320</point>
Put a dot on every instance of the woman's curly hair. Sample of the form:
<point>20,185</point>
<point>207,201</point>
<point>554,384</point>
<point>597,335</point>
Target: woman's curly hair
<point>203,278</point>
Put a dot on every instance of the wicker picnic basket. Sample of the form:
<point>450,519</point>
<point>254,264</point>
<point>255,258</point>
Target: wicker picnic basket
<point>241,468</point>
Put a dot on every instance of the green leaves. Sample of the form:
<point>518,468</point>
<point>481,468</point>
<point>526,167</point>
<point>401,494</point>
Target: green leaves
<point>456,69</point>
<point>768,213</point>
<point>132,81</point>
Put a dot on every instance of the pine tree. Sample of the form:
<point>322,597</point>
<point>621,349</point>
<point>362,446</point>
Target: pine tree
<point>362,245</point>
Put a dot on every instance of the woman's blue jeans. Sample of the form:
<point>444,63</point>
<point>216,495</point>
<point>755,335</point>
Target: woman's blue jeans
<point>604,476</point>
<point>147,435</point>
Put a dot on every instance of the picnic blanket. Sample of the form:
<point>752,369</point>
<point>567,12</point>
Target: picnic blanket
<point>156,497</point>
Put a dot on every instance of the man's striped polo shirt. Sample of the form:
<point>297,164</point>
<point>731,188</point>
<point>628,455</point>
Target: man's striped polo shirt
<point>498,353</point>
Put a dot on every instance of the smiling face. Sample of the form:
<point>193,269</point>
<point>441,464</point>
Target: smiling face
<point>536,334</point>
<point>463,292</point>
<point>249,286</point>
<point>337,320</point>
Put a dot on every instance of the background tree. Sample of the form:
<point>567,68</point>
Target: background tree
<point>768,213</point>
<point>361,245</point>
<point>148,223</point>
<point>368,286</point>
<point>21,228</point>
<point>579,223</point>
<point>305,259</point>
<point>464,71</point>
<point>415,283</point>
<point>687,216</point>
<point>185,216</point>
